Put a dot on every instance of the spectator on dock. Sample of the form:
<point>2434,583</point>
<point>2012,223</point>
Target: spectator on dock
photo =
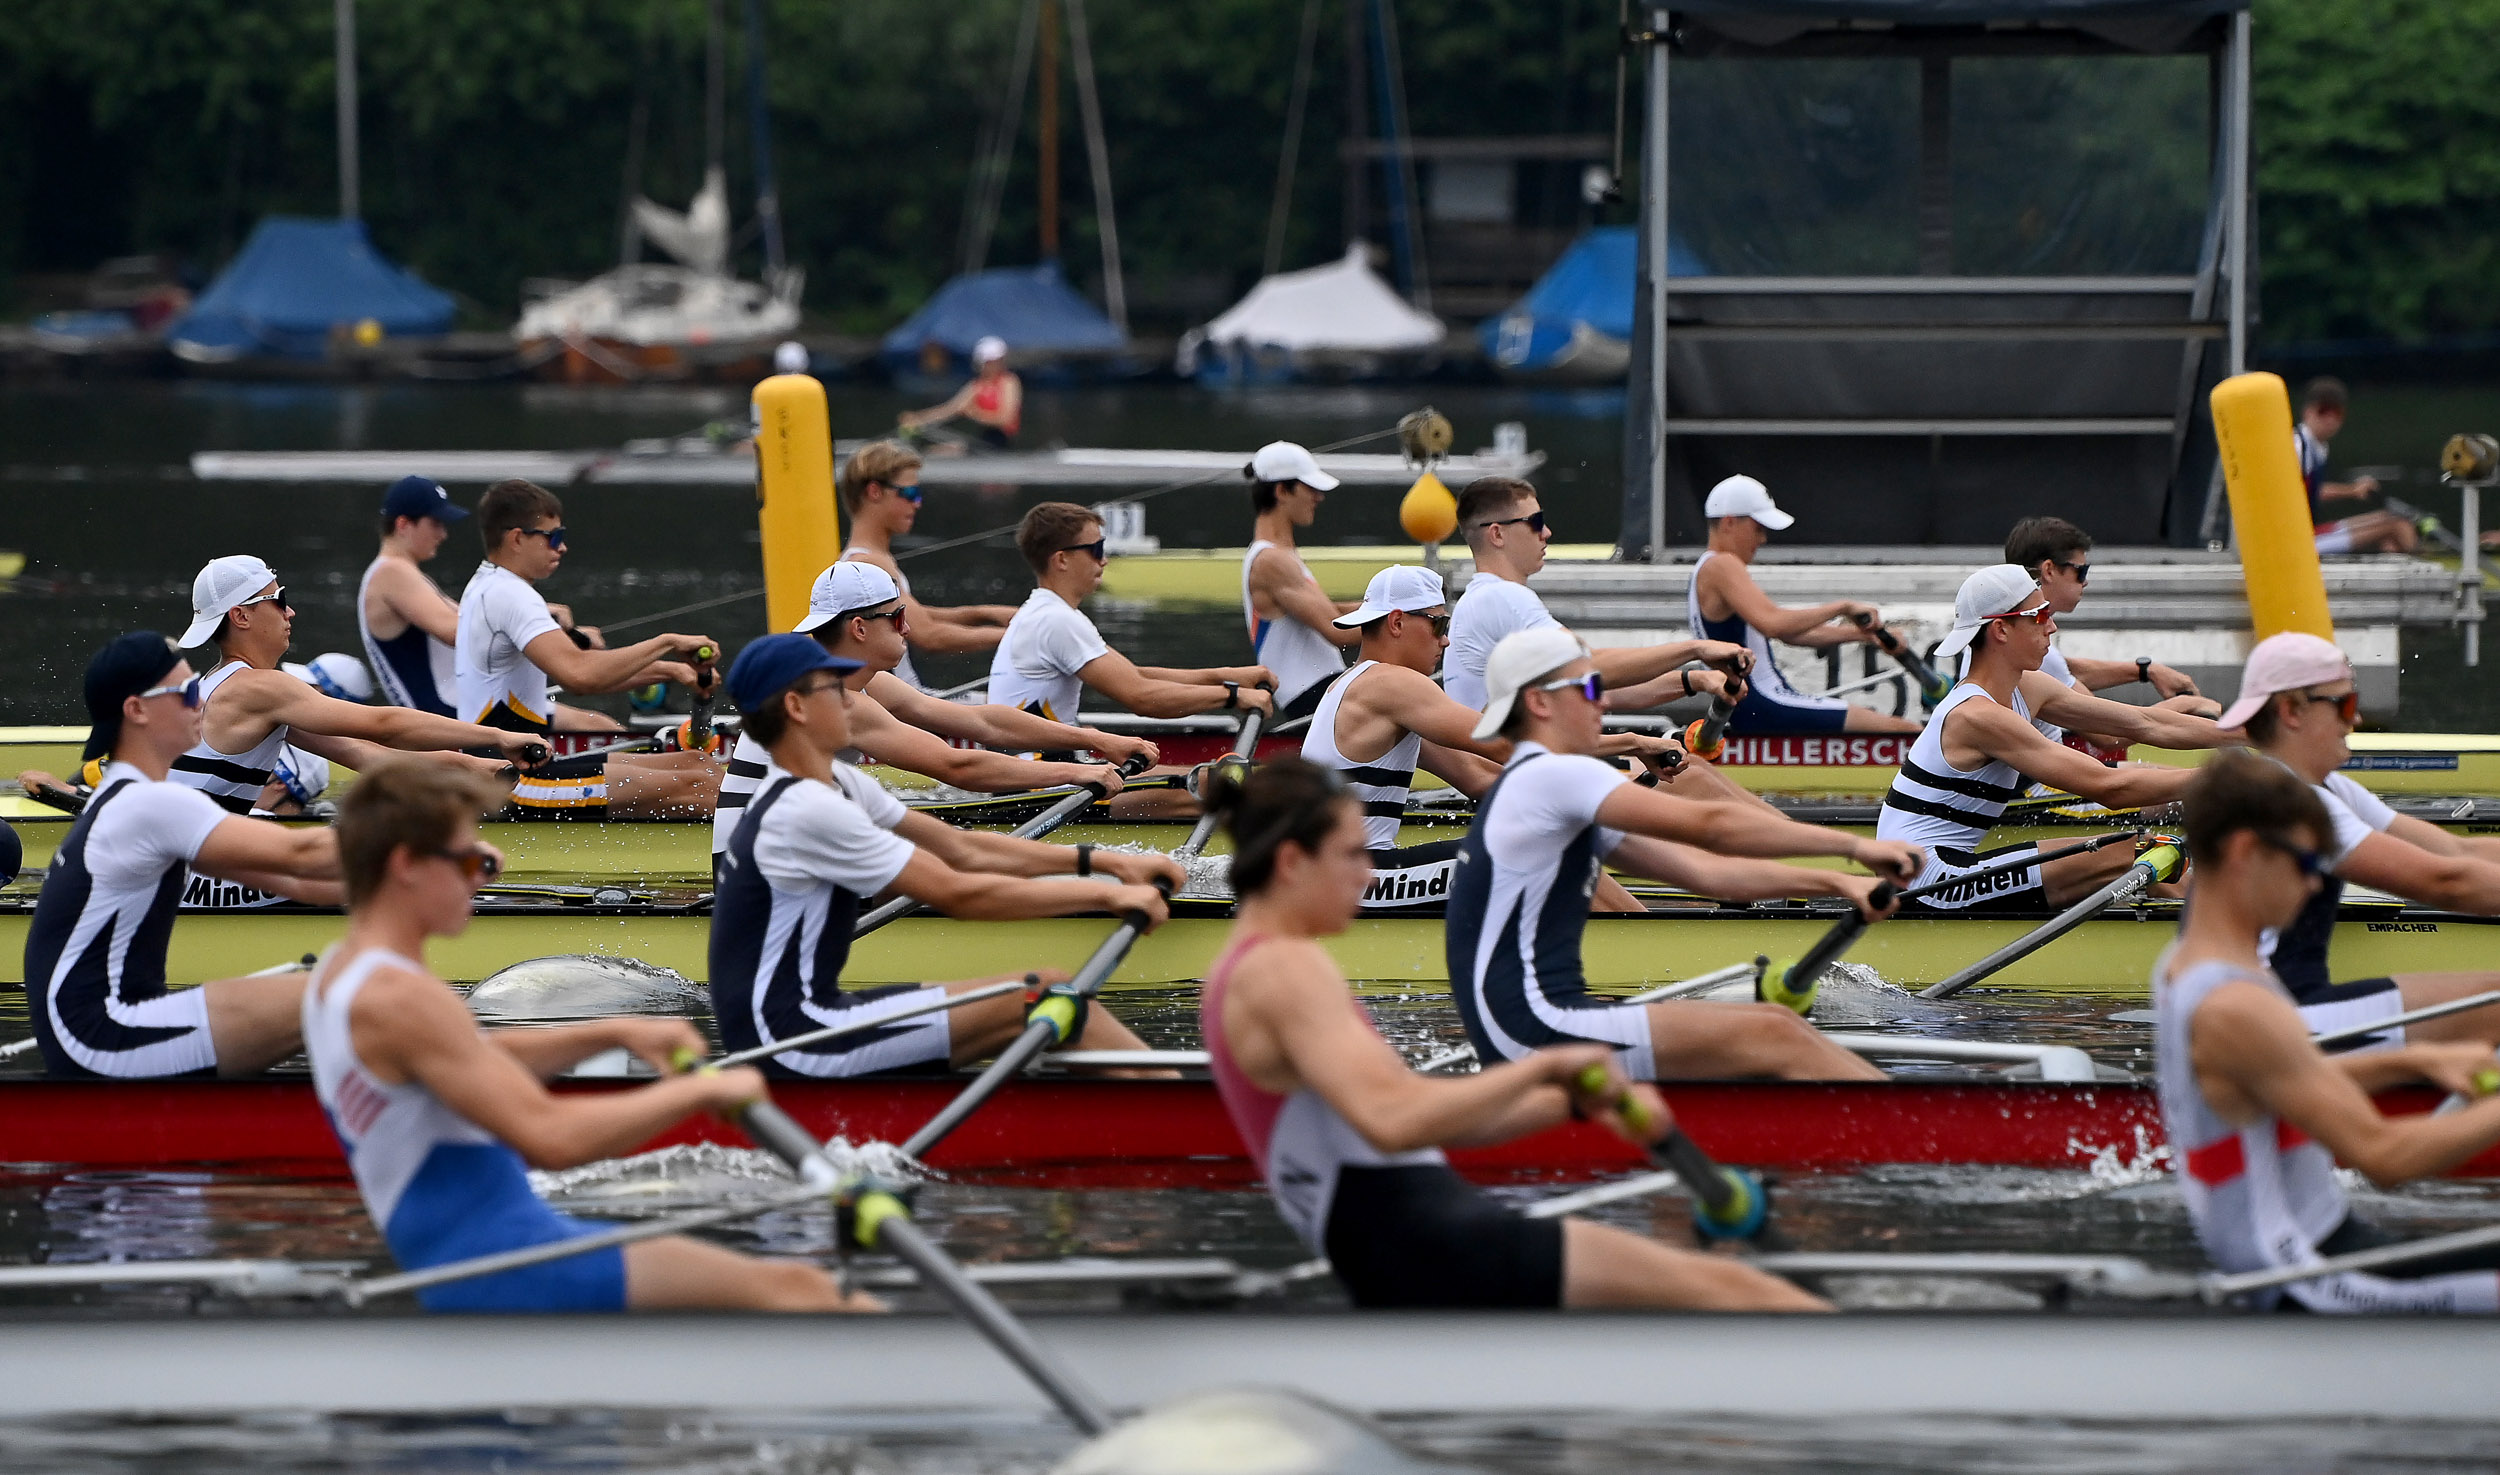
<point>2322,407</point>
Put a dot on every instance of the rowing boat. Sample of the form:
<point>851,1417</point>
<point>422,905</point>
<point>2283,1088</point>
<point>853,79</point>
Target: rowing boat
<point>1175,1133</point>
<point>2111,955</point>
<point>1181,576</point>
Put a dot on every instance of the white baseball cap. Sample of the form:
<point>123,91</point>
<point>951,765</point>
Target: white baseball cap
<point>306,776</point>
<point>225,583</point>
<point>851,584</point>
<point>1282,460</point>
<point>2290,661</point>
<point>989,348</point>
<point>1742,496</point>
<point>1998,589</point>
<point>1399,587</point>
<point>1516,663</point>
<point>334,673</point>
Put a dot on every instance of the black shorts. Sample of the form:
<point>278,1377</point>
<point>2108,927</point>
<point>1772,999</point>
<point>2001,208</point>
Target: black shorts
<point>2008,891</point>
<point>1418,1236</point>
<point>568,788</point>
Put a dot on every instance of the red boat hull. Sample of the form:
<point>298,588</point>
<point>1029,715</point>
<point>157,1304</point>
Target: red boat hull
<point>1176,1131</point>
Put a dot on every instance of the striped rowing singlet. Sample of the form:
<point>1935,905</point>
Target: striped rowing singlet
<point>234,780</point>
<point>1381,785</point>
<point>1946,809</point>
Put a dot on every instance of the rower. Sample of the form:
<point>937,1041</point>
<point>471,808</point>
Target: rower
<point>992,400</point>
<point>1349,1139</point>
<point>880,493</point>
<point>511,647</point>
<point>1537,846</point>
<point>855,612</point>
<point>440,1120</point>
<point>1385,718</point>
<point>1506,532</point>
<point>1723,601</point>
<point>1052,652</point>
<point>95,949</point>
<point>408,623</point>
<point>1981,748</point>
<point>1294,629</point>
<point>2057,554</point>
<point>2298,705</point>
<point>2258,1116</point>
<point>821,836</point>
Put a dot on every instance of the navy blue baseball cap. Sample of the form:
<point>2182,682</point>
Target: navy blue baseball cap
<point>421,496</point>
<point>765,669</point>
<point>128,665</point>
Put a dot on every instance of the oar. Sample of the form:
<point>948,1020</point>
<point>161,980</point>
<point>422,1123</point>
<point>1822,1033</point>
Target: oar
<point>1728,1203</point>
<point>2158,863</point>
<point>2413,1016</point>
<point>1705,737</point>
<point>1793,985</point>
<point>698,736</point>
<point>1053,1020</point>
<point>2022,862</point>
<point>1931,685</point>
<point>1058,814</point>
<point>875,1217</point>
<point>69,801</point>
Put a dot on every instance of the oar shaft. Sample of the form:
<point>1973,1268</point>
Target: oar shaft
<point>1203,831</point>
<point>2411,1016</point>
<point>2217,1288</point>
<point>2137,877</point>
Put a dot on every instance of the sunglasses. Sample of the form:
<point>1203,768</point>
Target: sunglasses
<point>895,614</point>
<point>1591,686</point>
<point>1534,520</point>
<point>1440,626</point>
<point>554,537</point>
<point>1093,549</point>
<point>830,683</point>
<point>909,494</point>
<point>276,597</point>
<point>2039,614</point>
<point>2081,571</point>
<point>2347,706</point>
<point>478,865</point>
<point>2311,863</point>
<point>189,691</point>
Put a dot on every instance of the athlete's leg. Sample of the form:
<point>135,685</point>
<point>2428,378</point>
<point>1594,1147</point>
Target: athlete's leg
<point>1608,1267</point>
<point>255,1022</point>
<point>1695,1039</point>
<point>2474,1026</point>
<point>662,786</point>
<point>1867,719</point>
<point>2070,878</point>
<point>982,1030</point>
<point>2382,532</point>
<point>581,719</point>
<point>675,1273</point>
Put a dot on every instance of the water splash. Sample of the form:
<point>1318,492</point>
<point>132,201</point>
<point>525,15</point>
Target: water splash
<point>2114,1167</point>
<point>1853,993</point>
<point>705,1173</point>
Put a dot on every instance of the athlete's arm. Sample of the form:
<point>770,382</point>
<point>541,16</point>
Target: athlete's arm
<point>417,600</point>
<point>1278,584</point>
<point>877,732</point>
<point>253,850</point>
<point>592,671</point>
<point>1461,770</point>
<point>1741,829</point>
<point>1411,700</point>
<point>2164,727</point>
<point>2169,681</point>
<point>276,698</point>
<point>2440,841</point>
<point>549,1052</point>
<point>1160,691</point>
<point>937,414</point>
<point>1995,732</point>
<point>2252,1052</point>
<point>988,896</point>
<point>1704,874</point>
<point>1809,624</point>
<point>1000,726</point>
<point>1627,668</point>
<point>2458,883</point>
<point>407,1027</point>
<point>1006,855</point>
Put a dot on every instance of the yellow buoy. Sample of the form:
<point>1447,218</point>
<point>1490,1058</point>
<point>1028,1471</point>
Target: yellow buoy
<point>2270,507</point>
<point>794,492</point>
<point>368,332</point>
<point>1429,513</point>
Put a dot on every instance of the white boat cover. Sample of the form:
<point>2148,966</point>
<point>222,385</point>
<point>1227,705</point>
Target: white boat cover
<point>1343,305</point>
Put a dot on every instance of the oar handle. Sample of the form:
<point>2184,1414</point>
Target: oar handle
<point>1135,764</point>
<point>1728,1203</point>
<point>1706,736</point>
<point>1932,685</point>
<point>1794,985</point>
<point>706,689</point>
<point>68,800</point>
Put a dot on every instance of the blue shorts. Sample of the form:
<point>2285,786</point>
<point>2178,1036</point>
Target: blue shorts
<point>476,1200</point>
<point>1763,715</point>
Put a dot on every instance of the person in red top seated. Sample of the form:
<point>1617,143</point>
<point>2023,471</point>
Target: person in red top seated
<point>1348,1138</point>
<point>993,401</point>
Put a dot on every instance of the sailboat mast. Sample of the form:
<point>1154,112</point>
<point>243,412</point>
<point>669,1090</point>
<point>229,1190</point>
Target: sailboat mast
<point>351,203</point>
<point>715,84</point>
<point>1048,141</point>
<point>767,188</point>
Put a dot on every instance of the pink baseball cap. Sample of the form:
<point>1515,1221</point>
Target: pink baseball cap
<point>2280,663</point>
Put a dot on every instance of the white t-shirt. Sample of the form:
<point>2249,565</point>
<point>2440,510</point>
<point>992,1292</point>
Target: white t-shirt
<point>1489,609</point>
<point>1546,804</point>
<point>1046,644</point>
<point>500,614</point>
<point>143,832</point>
<point>813,835</point>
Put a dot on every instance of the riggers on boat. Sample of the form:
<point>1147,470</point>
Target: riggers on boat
<point>2111,955</point>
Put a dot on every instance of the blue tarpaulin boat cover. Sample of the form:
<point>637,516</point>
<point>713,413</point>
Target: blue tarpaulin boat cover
<point>293,282</point>
<point>1590,283</point>
<point>1032,307</point>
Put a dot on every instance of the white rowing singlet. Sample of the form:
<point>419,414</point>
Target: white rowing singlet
<point>1300,656</point>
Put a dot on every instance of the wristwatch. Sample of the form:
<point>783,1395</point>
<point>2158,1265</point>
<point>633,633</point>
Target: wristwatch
<point>2144,669</point>
<point>1232,695</point>
<point>1084,858</point>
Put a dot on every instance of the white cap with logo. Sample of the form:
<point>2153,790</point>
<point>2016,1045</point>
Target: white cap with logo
<point>1401,586</point>
<point>1998,589</point>
<point>1282,460</point>
<point>334,673</point>
<point>851,584</point>
<point>1516,663</point>
<point>225,583</point>
<point>1742,496</point>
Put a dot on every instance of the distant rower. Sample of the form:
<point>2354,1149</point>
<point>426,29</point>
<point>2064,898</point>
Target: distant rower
<point>2258,1118</point>
<point>410,625</point>
<point>1348,1138</point>
<point>880,494</point>
<point>1294,630</point>
<point>2057,554</point>
<point>992,400</point>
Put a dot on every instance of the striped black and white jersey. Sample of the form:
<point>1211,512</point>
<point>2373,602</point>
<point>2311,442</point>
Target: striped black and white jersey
<point>1381,785</point>
<point>95,951</point>
<point>750,767</point>
<point>1944,809</point>
<point>234,780</point>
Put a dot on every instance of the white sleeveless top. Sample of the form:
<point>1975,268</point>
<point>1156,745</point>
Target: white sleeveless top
<point>440,662</point>
<point>1765,677</point>
<point>902,581</point>
<point>1944,808</point>
<point>1381,785</point>
<point>234,780</point>
<point>1300,656</point>
<point>389,1131</point>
